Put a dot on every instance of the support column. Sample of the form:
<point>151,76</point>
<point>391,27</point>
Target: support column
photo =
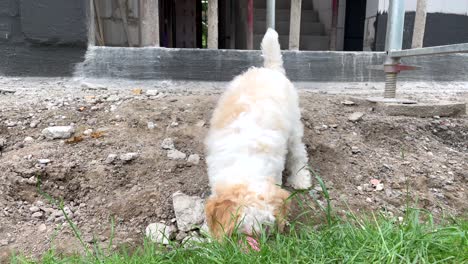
<point>149,23</point>
<point>333,31</point>
<point>270,19</point>
<point>295,25</point>
<point>419,24</point>
<point>213,24</point>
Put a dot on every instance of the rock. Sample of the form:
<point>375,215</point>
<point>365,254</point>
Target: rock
<point>194,159</point>
<point>379,187</point>
<point>128,156</point>
<point>4,242</point>
<point>42,228</point>
<point>152,92</point>
<point>58,132</point>
<point>151,125</point>
<point>204,229</point>
<point>192,241</point>
<point>110,158</point>
<point>88,132</point>
<point>174,154</point>
<point>355,117</point>
<point>348,102</point>
<point>189,211</point>
<point>159,233</point>
<point>181,236</point>
<point>355,150</point>
<point>167,143</point>
<point>369,200</point>
<point>43,161</point>
<point>28,139</point>
<point>37,215</point>
<point>92,86</point>
<point>113,98</point>
<point>34,209</point>
<point>174,124</point>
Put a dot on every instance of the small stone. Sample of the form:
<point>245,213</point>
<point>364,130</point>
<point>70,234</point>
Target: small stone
<point>360,188</point>
<point>369,200</point>
<point>58,132</point>
<point>348,102</point>
<point>174,124</point>
<point>151,125</point>
<point>128,156</point>
<point>43,161</point>
<point>113,108</point>
<point>180,236</point>
<point>4,242</point>
<point>152,92</point>
<point>28,139</point>
<point>34,209</point>
<point>379,187</point>
<point>88,132</point>
<point>92,86</point>
<point>167,143</point>
<point>113,98</point>
<point>189,211</point>
<point>37,215</point>
<point>192,241</point>
<point>355,150</point>
<point>34,123</point>
<point>194,159</point>
<point>159,233</point>
<point>200,123</point>
<point>355,117</point>
<point>110,158</point>
<point>174,154</point>
<point>42,228</point>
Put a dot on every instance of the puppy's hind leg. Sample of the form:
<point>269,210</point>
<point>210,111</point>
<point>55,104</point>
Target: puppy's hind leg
<point>299,175</point>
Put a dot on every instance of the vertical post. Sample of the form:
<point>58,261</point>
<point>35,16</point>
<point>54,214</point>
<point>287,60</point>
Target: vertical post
<point>250,10</point>
<point>213,24</point>
<point>394,41</point>
<point>270,19</point>
<point>295,25</point>
<point>91,24</point>
<point>419,24</point>
<point>149,23</point>
<point>333,33</point>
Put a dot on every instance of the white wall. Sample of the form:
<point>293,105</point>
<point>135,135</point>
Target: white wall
<point>459,7</point>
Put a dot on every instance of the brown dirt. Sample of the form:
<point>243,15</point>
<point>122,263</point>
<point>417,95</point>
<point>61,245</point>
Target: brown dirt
<point>428,157</point>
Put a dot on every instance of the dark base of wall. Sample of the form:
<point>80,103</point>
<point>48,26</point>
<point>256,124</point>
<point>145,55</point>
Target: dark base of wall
<point>223,65</point>
<point>441,29</point>
<point>30,60</point>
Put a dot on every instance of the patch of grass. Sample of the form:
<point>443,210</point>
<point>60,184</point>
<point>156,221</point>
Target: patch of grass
<point>374,238</point>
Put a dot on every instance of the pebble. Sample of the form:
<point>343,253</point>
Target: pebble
<point>379,187</point>
<point>88,132</point>
<point>174,154</point>
<point>151,125</point>
<point>152,92</point>
<point>355,150</point>
<point>37,215</point>
<point>43,161</point>
<point>167,143</point>
<point>189,211</point>
<point>58,132</point>
<point>113,98</point>
<point>42,228</point>
<point>110,158</point>
<point>348,102</point>
<point>355,117</point>
<point>128,156</point>
<point>34,209</point>
<point>194,159</point>
<point>369,200</point>
<point>159,233</point>
<point>28,139</point>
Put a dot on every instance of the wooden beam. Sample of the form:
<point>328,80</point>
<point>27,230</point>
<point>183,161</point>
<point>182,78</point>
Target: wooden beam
<point>419,24</point>
<point>213,24</point>
<point>149,23</point>
<point>295,24</point>
<point>250,11</point>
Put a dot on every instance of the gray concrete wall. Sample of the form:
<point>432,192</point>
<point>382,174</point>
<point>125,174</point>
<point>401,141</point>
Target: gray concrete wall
<point>223,65</point>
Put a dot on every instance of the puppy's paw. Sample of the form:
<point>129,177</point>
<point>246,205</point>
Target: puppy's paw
<point>301,181</point>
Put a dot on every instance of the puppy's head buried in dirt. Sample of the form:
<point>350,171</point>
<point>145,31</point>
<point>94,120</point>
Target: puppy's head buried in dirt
<point>255,134</point>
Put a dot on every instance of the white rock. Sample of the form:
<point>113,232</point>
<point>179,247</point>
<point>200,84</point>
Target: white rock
<point>174,154</point>
<point>34,209</point>
<point>152,92</point>
<point>355,117</point>
<point>194,159</point>
<point>128,156</point>
<point>189,211</point>
<point>159,233</point>
<point>348,102</point>
<point>151,125</point>
<point>58,132</point>
<point>355,150</point>
<point>167,143</point>
<point>192,241</point>
<point>43,161</point>
<point>28,139</point>
<point>110,158</point>
<point>42,228</point>
<point>88,132</point>
<point>37,215</point>
<point>379,187</point>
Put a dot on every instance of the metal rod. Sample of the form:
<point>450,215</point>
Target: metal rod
<point>213,24</point>
<point>395,23</point>
<point>437,50</point>
<point>270,14</point>
<point>295,25</point>
<point>419,24</point>
<point>250,11</point>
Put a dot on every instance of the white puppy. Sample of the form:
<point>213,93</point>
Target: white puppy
<point>255,130</point>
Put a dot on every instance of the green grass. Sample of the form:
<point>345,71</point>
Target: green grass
<point>372,238</point>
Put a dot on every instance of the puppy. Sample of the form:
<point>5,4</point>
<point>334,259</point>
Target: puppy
<point>255,132</point>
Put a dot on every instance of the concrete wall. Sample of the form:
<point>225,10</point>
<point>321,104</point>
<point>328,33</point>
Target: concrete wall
<point>324,9</point>
<point>223,65</point>
<point>447,23</point>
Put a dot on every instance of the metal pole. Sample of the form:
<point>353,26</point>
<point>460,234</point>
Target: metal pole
<point>394,41</point>
<point>270,14</point>
<point>213,24</point>
<point>419,24</point>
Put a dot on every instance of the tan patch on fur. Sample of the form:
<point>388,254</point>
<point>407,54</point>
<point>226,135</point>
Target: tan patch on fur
<point>279,200</point>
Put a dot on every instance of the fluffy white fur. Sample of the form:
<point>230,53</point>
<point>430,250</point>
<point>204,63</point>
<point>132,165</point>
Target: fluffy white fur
<point>255,132</point>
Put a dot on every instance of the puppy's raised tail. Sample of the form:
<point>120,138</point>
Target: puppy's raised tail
<point>271,51</point>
